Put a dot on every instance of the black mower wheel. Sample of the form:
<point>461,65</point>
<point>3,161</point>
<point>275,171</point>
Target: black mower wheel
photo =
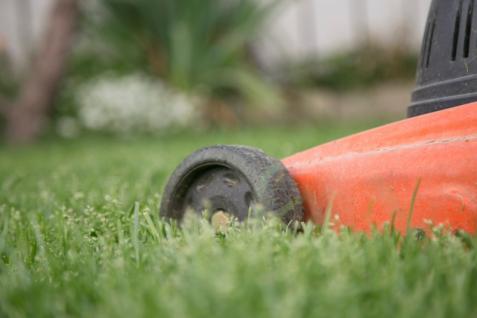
<point>233,180</point>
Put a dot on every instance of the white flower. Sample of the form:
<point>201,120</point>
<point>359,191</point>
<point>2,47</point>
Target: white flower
<point>133,103</point>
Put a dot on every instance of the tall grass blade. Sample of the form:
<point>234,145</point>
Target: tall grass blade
<point>135,233</point>
<point>411,208</point>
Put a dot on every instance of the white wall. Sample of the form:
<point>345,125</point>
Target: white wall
<point>320,27</point>
<point>299,27</point>
<point>20,28</point>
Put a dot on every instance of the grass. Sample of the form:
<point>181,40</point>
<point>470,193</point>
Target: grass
<point>80,236</point>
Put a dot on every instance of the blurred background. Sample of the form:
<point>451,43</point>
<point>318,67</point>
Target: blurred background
<point>128,67</point>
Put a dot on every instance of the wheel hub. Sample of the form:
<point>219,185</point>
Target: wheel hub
<point>219,191</point>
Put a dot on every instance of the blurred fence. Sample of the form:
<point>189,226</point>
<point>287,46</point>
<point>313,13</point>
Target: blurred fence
<point>300,28</point>
<point>304,28</point>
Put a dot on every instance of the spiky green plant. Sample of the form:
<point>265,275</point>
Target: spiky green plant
<point>195,45</point>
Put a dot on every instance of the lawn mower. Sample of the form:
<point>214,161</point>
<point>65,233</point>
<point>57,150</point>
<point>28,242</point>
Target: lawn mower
<point>417,173</point>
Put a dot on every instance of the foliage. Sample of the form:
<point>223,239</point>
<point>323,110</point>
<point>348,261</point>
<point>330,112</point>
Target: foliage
<point>193,45</point>
<point>8,86</point>
<point>80,236</point>
<point>8,82</point>
<point>359,68</point>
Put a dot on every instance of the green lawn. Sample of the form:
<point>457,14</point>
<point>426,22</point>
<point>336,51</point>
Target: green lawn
<point>80,236</point>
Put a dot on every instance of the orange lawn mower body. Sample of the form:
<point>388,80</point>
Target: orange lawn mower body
<point>368,179</point>
<point>413,174</point>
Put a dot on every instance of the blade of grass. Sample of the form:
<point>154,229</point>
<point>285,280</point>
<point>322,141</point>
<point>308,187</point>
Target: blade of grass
<point>411,208</point>
<point>135,232</point>
<point>151,227</point>
<point>328,211</point>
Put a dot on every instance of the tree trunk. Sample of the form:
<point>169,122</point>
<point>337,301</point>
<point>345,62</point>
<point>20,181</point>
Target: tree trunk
<point>27,117</point>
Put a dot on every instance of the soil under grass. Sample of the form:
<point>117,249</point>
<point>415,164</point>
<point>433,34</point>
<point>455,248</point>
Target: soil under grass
<point>80,236</point>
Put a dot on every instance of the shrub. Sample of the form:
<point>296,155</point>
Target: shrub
<point>198,46</point>
<point>358,68</point>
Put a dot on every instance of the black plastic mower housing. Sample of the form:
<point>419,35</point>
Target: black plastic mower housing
<point>447,70</point>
